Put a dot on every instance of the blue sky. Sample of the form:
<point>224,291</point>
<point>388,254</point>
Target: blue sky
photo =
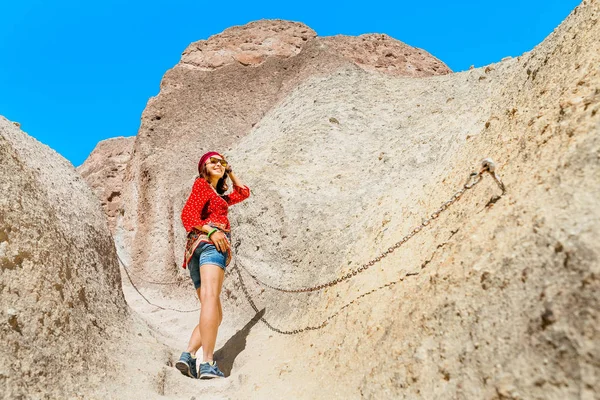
<point>77,72</point>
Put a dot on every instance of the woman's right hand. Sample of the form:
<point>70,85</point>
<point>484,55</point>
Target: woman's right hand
<point>220,241</point>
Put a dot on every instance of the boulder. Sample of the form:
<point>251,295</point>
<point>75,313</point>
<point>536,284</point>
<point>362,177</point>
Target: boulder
<point>61,302</point>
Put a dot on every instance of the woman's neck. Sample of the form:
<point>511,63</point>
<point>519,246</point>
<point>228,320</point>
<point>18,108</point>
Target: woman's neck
<point>213,182</point>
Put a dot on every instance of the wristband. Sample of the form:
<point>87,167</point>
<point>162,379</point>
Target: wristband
<point>211,232</point>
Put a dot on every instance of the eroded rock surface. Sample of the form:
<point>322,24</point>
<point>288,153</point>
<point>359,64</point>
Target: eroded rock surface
<point>104,171</point>
<point>382,53</point>
<point>61,302</point>
<point>206,104</point>
<point>505,300</point>
<point>249,44</point>
<point>497,298</point>
<point>253,43</point>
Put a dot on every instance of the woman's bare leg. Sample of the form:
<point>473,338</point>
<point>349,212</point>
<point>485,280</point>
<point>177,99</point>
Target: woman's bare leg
<point>196,339</point>
<point>220,312</point>
<point>210,313</point>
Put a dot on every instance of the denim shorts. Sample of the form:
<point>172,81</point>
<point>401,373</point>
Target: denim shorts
<point>205,253</point>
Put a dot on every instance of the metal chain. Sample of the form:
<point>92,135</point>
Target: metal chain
<point>309,327</point>
<point>146,280</point>
<point>487,165</point>
<point>474,178</point>
<point>127,272</point>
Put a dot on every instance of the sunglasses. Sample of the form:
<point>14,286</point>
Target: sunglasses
<point>214,160</point>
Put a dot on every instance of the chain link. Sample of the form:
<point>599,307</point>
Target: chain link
<point>473,179</point>
<point>308,327</point>
<point>127,272</point>
<point>147,280</point>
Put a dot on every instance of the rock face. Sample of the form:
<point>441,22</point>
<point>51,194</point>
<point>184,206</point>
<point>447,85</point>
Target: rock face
<point>248,45</point>
<point>208,102</point>
<point>497,298</point>
<point>254,43</point>
<point>60,290</point>
<point>382,53</point>
<point>104,170</point>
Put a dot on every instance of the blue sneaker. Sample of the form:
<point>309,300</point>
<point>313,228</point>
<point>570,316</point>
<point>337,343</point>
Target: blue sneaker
<point>187,365</point>
<point>209,370</point>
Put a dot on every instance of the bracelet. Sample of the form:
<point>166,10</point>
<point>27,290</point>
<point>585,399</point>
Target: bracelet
<point>211,232</point>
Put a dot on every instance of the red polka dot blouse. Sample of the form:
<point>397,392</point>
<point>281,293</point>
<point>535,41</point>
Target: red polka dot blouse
<point>205,207</point>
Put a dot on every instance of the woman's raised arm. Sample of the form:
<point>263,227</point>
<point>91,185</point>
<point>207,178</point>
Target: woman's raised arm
<point>240,191</point>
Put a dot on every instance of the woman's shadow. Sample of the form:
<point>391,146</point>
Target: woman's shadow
<point>227,354</point>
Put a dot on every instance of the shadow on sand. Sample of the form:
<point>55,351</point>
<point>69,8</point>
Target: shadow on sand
<point>227,354</point>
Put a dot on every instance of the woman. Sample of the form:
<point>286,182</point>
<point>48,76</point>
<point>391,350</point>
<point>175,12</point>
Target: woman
<point>208,252</point>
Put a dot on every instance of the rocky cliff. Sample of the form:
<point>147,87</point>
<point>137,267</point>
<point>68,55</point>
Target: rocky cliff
<point>219,91</point>
<point>104,170</point>
<point>495,298</point>
<point>62,306</point>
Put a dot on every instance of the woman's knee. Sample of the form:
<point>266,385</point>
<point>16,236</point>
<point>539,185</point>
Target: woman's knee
<point>209,295</point>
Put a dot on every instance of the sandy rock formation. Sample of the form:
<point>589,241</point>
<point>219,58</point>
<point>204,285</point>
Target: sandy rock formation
<point>60,290</point>
<point>382,53</point>
<point>249,45</point>
<point>205,104</point>
<point>104,171</point>
<point>505,302</point>
<point>66,331</point>
<point>253,43</point>
<point>498,298</point>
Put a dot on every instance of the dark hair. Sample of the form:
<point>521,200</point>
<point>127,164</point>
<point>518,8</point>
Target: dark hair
<point>221,184</point>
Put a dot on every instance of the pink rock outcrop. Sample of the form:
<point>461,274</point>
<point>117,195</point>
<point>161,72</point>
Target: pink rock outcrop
<point>249,44</point>
<point>382,53</point>
<point>253,43</point>
<point>104,170</point>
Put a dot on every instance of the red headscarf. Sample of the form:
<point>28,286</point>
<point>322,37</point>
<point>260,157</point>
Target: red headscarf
<point>205,158</point>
